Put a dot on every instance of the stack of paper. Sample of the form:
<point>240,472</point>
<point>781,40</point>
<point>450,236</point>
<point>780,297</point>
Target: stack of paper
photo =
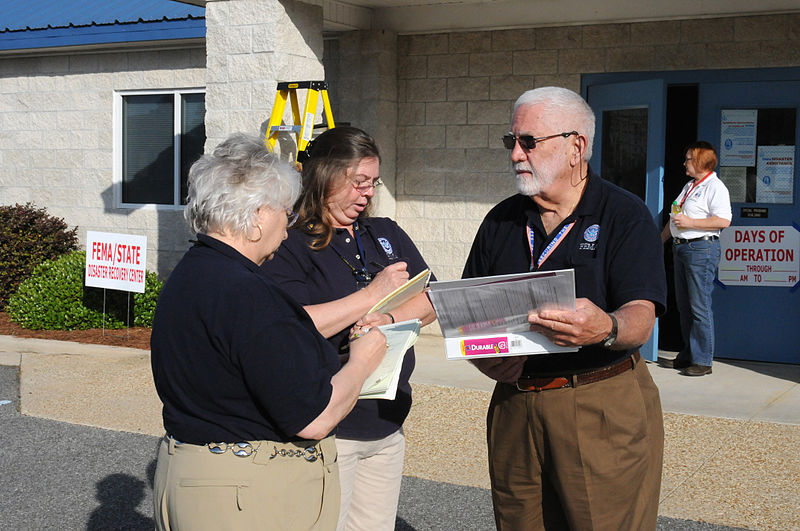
<point>382,383</point>
<point>488,316</point>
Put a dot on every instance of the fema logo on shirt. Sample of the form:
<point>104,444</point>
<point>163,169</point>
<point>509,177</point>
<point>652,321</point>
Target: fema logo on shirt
<point>590,235</point>
<point>387,247</point>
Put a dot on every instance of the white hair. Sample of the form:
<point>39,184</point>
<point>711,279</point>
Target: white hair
<point>228,186</point>
<point>572,111</point>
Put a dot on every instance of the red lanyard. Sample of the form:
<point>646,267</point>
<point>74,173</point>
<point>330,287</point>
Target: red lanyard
<point>550,247</point>
<point>689,191</point>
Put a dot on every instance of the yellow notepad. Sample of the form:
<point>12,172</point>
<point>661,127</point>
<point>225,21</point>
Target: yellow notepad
<point>403,294</point>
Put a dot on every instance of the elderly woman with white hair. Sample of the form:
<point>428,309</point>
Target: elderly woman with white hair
<point>251,390</point>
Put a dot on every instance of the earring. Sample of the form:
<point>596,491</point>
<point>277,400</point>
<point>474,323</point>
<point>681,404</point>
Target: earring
<point>260,235</point>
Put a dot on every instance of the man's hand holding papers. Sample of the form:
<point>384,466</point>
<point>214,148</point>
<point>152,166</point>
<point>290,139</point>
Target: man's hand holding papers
<point>489,316</point>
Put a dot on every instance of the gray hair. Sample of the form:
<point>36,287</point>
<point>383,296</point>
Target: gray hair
<point>572,109</point>
<point>227,187</point>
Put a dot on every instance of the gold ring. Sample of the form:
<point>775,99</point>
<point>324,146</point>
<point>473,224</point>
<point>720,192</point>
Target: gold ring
<point>387,346</point>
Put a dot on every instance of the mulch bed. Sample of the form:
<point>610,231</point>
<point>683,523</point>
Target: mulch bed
<point>136,337</point>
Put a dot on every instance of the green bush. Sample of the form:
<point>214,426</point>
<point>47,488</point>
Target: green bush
<point>54,298</point>
<point>28,237</point>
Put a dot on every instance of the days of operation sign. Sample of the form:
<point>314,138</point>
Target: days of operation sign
<point>760,256</point>
<point>115,261</point>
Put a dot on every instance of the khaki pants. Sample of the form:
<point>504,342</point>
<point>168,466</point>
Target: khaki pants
<point>370,473</point>
<point>195,489</point>
<point>577,458</point>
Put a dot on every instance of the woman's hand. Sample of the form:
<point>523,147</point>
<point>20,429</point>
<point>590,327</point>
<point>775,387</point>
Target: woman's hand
<point>367,322</point>
<point>374,319</point>
<point>368,350</point>
<point>682,221</point>
<point>366,353</point>
<point>390,278</point>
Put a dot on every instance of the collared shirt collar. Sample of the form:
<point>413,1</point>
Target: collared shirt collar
<point>226,250</point>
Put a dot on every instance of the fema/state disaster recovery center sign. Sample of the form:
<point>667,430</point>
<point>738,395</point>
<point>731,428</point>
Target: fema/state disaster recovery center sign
<point>760,256</point>
<point>116,261</point>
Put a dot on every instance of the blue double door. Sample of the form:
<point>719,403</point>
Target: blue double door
<point>635,129</point>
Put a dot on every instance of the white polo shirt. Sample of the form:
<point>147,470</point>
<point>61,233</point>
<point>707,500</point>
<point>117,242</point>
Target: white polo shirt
<point>708,199</point>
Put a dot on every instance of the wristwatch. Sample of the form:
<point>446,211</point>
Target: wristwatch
<point>611,338</point>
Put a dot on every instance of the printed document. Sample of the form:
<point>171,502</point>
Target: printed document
<point>488,316</point>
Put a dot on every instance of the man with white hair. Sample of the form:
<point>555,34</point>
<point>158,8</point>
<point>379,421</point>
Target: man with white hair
<point>575,439</point>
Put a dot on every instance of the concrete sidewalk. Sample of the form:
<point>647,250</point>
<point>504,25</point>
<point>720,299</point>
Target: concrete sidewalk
<point>731,438</point>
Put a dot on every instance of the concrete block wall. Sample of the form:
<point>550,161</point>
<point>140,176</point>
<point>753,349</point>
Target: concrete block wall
<point>252,45</point>
<point>455,92</point>
<point>361,70</point>
<point>56,139</point>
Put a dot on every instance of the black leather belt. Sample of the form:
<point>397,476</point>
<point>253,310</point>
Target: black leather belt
<point>526,383</point>
<point>678,241</point>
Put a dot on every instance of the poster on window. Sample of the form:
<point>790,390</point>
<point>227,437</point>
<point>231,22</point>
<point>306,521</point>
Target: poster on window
<point>738,137</point>
<point>735,180</point>
<point>115,261</point>
<point>775,174</point>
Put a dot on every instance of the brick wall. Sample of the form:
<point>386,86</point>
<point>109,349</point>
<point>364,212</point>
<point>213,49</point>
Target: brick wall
<point>361,69</point>
<point>455,92</point>
<point>253,44</point>
<point>56,147</point>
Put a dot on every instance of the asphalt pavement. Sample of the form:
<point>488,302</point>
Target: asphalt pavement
<point>59,475</point>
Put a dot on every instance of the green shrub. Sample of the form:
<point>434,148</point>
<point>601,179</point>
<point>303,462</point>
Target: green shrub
<point>28,237</point>
<point>54,298</point>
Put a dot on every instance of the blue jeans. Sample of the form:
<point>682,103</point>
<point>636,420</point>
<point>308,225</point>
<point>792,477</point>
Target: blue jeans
<point>695,267</point>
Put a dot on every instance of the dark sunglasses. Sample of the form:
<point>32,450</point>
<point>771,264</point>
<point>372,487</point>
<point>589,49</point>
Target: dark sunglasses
<point>528,142</point>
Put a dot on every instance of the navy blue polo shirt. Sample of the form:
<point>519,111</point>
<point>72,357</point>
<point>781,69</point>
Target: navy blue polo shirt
<point>234,358</point>
<point>614,247</point>
<point>316,277</point>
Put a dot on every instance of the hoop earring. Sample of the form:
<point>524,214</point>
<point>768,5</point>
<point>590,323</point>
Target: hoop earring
<point>260,235</point>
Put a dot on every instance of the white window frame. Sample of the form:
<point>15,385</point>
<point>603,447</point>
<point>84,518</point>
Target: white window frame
<point>119,95</point>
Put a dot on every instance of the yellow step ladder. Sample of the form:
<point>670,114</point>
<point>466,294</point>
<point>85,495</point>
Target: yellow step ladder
<point>302,128</point>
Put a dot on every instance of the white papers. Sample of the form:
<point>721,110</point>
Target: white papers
<point>488,316</point>
<point>735,180</point>
<point>738,137</point>
<point>775,172</point>
<point>382,383</point>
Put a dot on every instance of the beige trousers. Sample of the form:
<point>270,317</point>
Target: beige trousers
<point>371,473</point>
<point>281,486</point>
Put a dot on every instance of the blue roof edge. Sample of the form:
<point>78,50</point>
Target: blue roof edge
<point>189,28</point>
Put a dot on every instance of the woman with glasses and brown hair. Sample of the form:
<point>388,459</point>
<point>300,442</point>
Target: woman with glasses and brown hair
<point>251,390</point>
<point>338,262</point>
<point>699,213</point>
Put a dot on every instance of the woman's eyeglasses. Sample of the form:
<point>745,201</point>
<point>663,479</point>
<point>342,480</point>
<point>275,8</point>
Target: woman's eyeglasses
<point>528,142</point>
<point>291,217</point>
<point>365,185</point>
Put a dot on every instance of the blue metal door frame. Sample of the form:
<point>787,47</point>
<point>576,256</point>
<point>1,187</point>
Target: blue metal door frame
<point>649,94</point>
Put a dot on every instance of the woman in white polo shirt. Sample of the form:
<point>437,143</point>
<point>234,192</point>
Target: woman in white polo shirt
<point>699,213</point>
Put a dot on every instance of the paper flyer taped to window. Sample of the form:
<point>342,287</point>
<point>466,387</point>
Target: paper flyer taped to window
<point>488,316</point>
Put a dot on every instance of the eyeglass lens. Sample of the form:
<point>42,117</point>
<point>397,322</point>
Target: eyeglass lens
<point>525,141</point>
<point>366,185</point>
